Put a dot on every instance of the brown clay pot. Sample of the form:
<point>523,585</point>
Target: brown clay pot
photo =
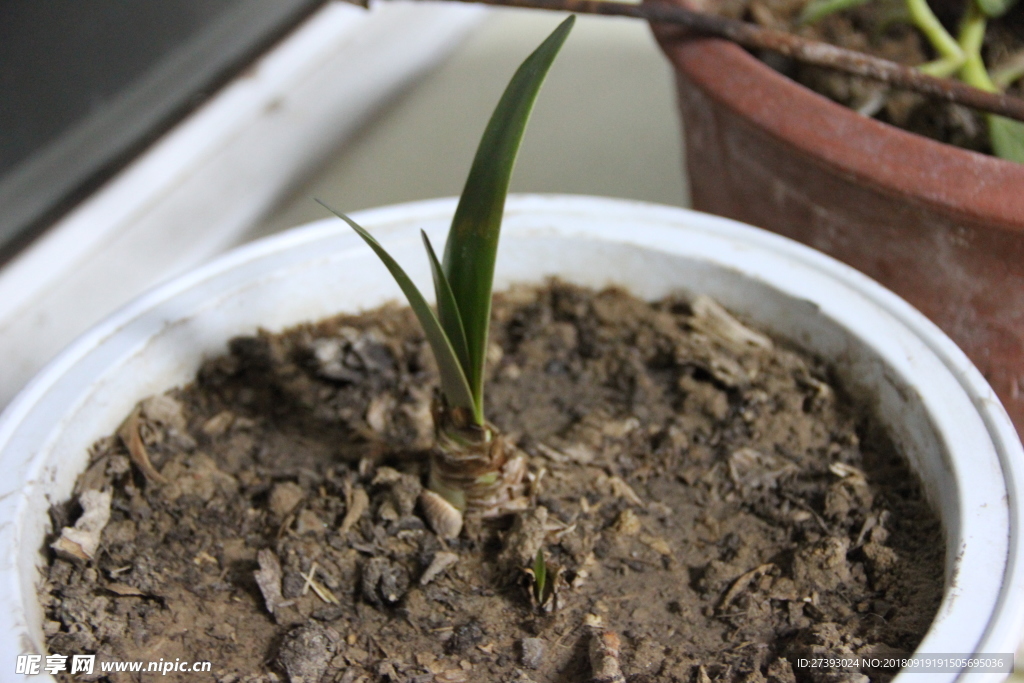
<point>941,226</point>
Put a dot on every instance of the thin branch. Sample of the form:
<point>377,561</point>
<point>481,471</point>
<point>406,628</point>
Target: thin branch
<point>796,47</point>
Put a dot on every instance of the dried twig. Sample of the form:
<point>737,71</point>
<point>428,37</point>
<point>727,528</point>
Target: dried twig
<point>796,47</point>
<point>741,583</point>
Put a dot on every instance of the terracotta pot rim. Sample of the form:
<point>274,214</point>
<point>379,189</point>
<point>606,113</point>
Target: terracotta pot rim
<point>969,184</point>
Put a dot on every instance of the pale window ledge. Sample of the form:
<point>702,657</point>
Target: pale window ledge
<point>208,181</point>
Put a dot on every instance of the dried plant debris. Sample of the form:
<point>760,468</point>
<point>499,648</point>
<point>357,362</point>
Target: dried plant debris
<point>604,657</point>
<point>705,503</point>
<point>442,517</point>
<point>439,564</point>
<point>81,541</point>
<point>268,578</point>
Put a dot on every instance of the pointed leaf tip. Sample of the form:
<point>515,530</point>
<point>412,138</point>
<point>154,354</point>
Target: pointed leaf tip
<point>540,574</point>
<point>471,249</point>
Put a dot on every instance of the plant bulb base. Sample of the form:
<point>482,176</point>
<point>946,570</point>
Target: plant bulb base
<point>474,467</point>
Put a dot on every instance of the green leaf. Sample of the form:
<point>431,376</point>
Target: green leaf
<point>540,575</point>
<point>448,310</point>
<point>816,10</point>
<point>472,244</point>
<point>453,380</point>
<point>995,8</point>
<point>1007,137</point>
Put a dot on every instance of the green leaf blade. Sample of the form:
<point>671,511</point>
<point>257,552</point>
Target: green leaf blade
<point>448,313</point>
<point>1007,137</point>
<point>472,245</point>
<point>993,9</point>
<point>454,384</point>
<point>540,575</point>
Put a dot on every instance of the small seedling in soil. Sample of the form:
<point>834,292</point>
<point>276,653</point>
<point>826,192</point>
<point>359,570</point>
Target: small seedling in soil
<point>960,56</point>
<point>543,581</point>
<point>473,468</point>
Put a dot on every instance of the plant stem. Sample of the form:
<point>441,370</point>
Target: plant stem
<point>951,55</point>
<point>472,466</point>
<point>972,37</point>
<point>799,48</point>
<point>1007,137</point>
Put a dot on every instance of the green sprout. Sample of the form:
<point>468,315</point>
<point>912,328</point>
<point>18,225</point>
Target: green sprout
<point>471,466</point>
<point>543,583</point>
<point>540,577</point>
<point>960,56</point>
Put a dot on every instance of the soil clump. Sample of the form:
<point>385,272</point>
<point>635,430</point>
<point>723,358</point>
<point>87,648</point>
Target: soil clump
<point>709,506</point>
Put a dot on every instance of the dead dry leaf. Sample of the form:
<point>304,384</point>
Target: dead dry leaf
<point>129,433</point>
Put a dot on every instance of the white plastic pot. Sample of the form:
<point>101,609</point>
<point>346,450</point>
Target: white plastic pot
<point>938,408</point>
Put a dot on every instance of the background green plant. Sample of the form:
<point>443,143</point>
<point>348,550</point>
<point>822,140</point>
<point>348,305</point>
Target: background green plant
<point>958,56</point>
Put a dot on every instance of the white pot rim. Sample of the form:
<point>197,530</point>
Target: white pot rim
<point>978,420</point>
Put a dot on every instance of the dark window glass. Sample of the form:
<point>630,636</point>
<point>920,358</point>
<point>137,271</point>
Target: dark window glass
<point>86,84</point>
